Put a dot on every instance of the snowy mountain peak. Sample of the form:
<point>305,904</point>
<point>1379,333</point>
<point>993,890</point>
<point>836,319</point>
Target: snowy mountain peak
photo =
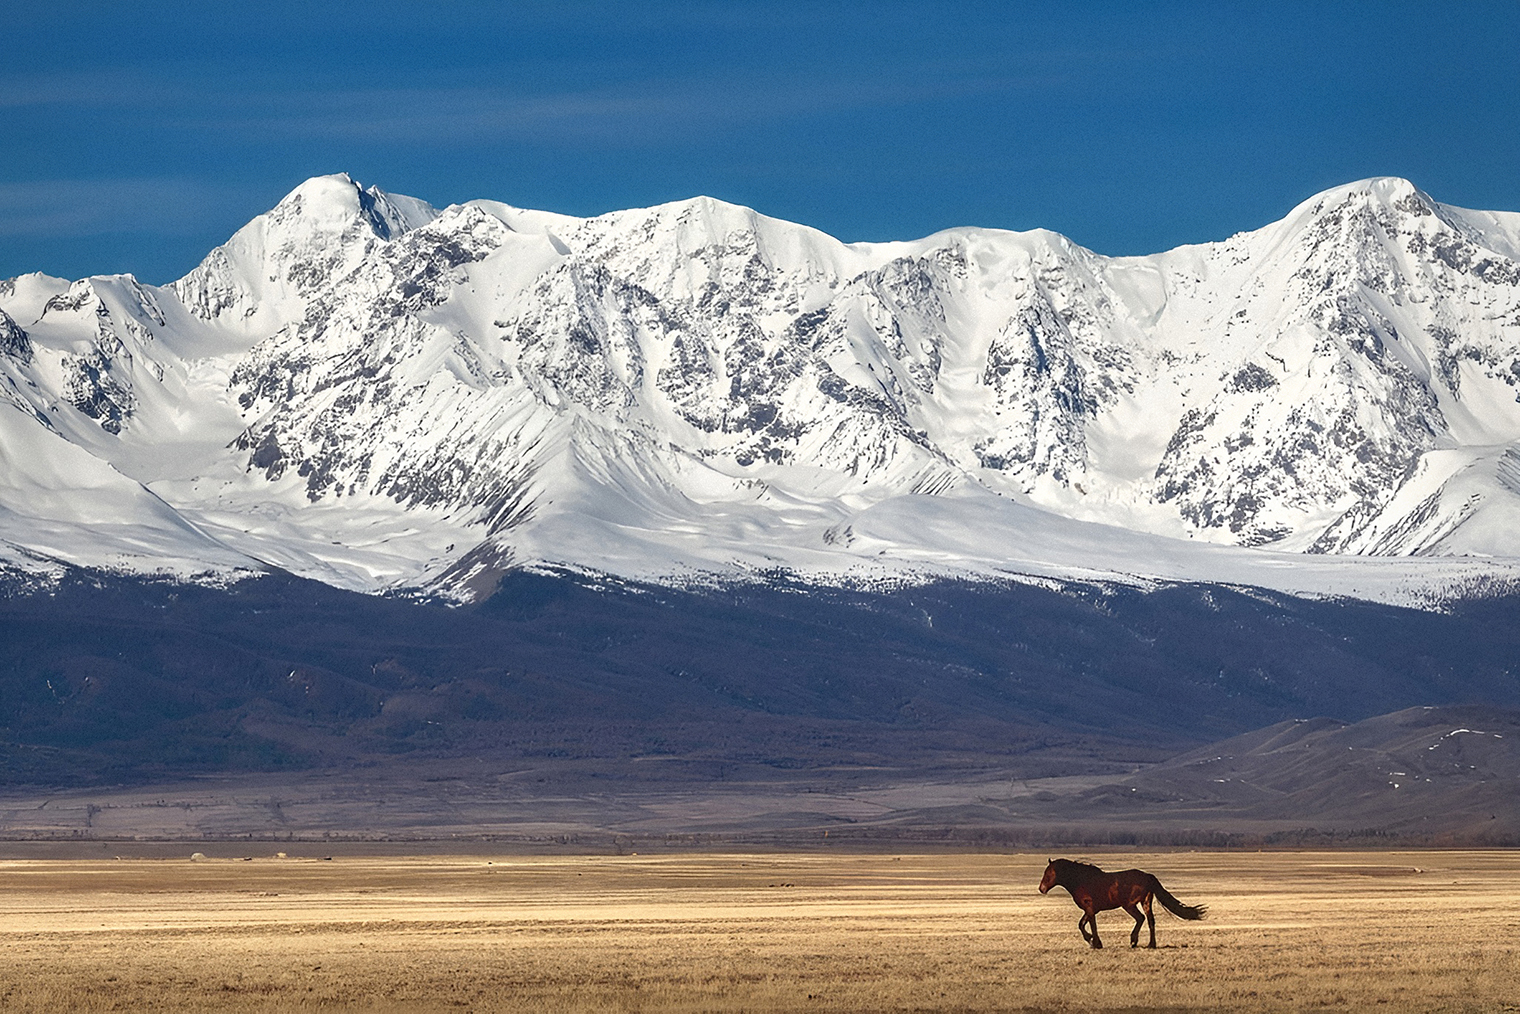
<point>332,209</point>
<point>267,272</point>
<point>366,389</point>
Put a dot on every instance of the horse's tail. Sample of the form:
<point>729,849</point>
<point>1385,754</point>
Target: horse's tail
<point>1177,908</point>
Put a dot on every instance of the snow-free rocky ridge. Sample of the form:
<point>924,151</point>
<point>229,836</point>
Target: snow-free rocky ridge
<point>365,390</point>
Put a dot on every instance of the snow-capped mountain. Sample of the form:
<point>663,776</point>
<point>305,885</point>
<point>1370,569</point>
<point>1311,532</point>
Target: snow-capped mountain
<point>363,389</point>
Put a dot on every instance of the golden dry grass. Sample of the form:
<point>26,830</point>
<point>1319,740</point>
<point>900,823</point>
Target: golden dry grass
<point>1299,931</point>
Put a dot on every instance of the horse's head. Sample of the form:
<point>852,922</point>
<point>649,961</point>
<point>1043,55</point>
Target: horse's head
<point>1049,879</point>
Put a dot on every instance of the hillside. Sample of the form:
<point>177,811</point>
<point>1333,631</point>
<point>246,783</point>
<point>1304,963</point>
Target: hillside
<point>104,681</point>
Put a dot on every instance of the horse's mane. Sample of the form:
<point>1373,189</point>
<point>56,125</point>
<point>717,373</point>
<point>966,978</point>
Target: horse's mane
<point>1083,867</point>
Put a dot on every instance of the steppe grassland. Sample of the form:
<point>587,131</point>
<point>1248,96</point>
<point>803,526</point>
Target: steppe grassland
<point>1420,931</point>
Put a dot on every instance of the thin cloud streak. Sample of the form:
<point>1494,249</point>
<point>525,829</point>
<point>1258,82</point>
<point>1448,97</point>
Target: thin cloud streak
<point>100,90</point>
<point>622,114</point>
<point>628,112</point>
<point>163,206</point>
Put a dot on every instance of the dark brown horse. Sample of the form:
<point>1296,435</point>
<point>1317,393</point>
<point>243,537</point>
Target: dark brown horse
<point>1095,891</point>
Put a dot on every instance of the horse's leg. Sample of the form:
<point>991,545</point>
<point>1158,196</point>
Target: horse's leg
<point>1092,920</point>
<point>1134,934</point>
<point>1082,928</point>
<point>1150,917</point>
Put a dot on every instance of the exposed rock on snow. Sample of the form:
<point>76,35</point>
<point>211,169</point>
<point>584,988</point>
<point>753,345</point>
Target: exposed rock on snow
<point>368,391</point>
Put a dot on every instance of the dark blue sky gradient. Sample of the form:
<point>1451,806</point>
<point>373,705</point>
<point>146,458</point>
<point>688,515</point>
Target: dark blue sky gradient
<point>136,138</point>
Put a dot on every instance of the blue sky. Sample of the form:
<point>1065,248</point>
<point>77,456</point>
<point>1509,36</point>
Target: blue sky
<point>138,136</point>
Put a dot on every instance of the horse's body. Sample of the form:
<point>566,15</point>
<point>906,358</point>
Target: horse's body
<point>1095,891</point>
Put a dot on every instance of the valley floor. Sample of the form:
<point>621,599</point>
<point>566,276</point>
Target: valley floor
<point>1411,931</point>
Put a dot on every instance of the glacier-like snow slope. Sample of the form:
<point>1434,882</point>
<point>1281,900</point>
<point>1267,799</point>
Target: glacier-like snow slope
<point>363,389</point>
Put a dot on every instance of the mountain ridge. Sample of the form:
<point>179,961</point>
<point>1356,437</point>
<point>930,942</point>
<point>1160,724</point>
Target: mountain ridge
<point>366,390</point>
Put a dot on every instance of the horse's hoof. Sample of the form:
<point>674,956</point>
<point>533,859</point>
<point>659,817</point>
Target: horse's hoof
<point>1097,945</point>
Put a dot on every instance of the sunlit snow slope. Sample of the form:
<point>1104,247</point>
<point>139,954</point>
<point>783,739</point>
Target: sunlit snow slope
<point>365,390</point>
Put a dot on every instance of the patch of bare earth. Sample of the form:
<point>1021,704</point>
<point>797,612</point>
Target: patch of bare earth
<point>1419,931</point>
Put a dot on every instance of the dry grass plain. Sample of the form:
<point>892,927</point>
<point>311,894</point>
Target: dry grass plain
<point>1419,931</point>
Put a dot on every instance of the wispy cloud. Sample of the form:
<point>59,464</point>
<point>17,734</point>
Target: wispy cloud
<point>109,89</point>
<point>53,208</point>
<point>626,112</point>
